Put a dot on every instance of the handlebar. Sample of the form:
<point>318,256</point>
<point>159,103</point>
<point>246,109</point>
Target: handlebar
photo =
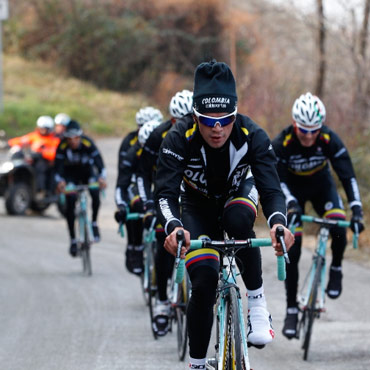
<point>226,245</point>
<point>327,222</point>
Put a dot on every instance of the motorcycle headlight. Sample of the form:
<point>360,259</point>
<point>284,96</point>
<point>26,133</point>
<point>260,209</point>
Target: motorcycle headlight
<point>6,167</point>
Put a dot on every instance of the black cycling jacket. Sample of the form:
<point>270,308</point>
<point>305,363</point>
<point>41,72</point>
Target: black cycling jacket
<point>306,165</point>
<point>72,162</point>
<point>182,158</point>
<point>126,174</point>
<point>147,166</point>
<point>129,140</point>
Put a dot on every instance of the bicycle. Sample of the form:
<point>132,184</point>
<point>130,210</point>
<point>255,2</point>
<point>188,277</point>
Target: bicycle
<point>179,294</point>
<point>84,225</point>
<point>231,348</point>
<point>312,294</point>
<point>148,279</point>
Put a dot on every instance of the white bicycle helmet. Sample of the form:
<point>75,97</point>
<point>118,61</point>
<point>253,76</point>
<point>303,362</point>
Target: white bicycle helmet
<point>181,104</point>
<point>45,122</point>
<point>148,114</point>
<point>309,112</point>
<point>62,119</point>
<point>145,130</point>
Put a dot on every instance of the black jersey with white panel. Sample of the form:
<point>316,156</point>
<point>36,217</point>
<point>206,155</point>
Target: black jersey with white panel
<point>185,157</point>
<point>70,163</point>
<point>127,174</point>
<point>308,165</point>
<point>148,163</point>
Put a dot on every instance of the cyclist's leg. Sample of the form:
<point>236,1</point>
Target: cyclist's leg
<point>238,220</point>
<point>70,217</point>
<point>95,198</point>
<point>163,267</point>
<point>136,254</point>
<point>200,218</point>
<point>330,205</point>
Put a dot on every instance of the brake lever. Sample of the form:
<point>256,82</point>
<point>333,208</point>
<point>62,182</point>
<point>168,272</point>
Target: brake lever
<point>280,237</point>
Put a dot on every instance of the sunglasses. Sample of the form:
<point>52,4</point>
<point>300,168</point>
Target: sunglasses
<point>212,121</point>
<point>305,132</point>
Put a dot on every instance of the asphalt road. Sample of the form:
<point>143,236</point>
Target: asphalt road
<point>52,317</point>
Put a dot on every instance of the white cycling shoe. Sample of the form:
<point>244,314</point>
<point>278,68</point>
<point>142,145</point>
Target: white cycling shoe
<point>260,331</point>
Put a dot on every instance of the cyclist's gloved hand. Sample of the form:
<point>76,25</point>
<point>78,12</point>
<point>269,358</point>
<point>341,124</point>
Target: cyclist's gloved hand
<point>120,215</point>
<point>357,219</point>
<point>148,219</point>
<point>293,209</point>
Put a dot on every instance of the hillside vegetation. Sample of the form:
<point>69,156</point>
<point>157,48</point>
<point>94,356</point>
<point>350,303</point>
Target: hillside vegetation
<point>35,88</point>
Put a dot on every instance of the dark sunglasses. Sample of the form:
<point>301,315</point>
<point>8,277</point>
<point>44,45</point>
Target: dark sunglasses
<point>305,132</point>
<point>212,121</point>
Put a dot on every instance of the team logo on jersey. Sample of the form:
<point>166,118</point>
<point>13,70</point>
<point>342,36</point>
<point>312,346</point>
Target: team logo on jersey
<point>328,206</point>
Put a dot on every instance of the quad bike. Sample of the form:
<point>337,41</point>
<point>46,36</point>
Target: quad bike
<point>18,185</point>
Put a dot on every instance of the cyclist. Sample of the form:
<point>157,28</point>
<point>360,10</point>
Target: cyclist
<point>78,161</point>
<point>43,145</point>
<point>212,153</point>
<point>180,105</point>
<point>126,197</point>
<point>303,151</point>
<point>61,121</point>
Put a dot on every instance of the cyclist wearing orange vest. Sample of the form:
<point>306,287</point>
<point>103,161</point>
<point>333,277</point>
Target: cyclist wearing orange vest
<point>43,144</point>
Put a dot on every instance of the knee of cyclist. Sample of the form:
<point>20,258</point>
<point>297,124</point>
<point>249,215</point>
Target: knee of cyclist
<point>238,222</point>
<point>338,233</point>
<point>204,282</point>
<point>295,251</point>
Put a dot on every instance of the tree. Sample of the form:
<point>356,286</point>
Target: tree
<point>320,78</point>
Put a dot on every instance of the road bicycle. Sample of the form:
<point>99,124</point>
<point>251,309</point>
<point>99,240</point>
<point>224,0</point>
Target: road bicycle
<point>311,298</point>
<point>231,348</point>
<point>83,221</point>
<point>179,294</point>
<point>148,278</point>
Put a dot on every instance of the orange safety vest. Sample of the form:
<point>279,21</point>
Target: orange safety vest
<point>46,145</point>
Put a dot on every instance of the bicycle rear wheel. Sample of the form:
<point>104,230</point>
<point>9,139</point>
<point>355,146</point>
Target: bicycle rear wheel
<point>310,313</point>
<point>180,310</point>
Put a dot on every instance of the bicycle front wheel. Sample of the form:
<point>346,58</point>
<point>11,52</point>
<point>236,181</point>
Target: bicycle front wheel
<point>232,357</point>
<point>85,252</point>
<point>182,325</point>
<point>152,284</point>
<point>310,313</point>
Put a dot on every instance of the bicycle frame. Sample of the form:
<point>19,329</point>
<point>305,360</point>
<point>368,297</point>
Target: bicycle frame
<point>320,253</point>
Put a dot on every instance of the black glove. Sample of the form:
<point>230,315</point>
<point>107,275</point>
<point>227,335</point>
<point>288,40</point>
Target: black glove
<point>120,215</point>
<point>293,209</point>
<point>357,219</point>
<point>148,219</point>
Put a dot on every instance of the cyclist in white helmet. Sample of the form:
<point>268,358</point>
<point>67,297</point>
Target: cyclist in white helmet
<point>180,106</point>
<point>304,150</point>
<point>61,121</point>
<point>126,197</point>
<point>43,145</point>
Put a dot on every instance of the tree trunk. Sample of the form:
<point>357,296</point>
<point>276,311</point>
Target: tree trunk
<point>321,71</point>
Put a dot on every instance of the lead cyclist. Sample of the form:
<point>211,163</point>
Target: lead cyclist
<point>214,152</point>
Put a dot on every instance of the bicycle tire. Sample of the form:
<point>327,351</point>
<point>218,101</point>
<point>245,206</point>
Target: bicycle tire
<point>181,319</point>
<point>231,356</point>
<point>85,252</point>
<point>152,289</point>
<point>310,313</point>
<point>145,275</point>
